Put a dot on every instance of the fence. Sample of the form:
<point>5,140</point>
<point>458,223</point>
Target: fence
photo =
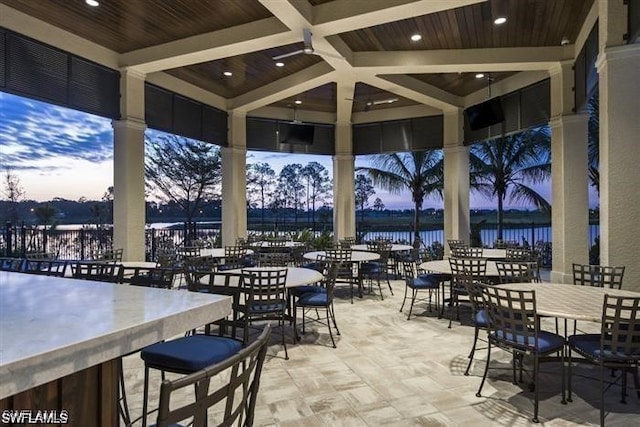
<point>80,244</point>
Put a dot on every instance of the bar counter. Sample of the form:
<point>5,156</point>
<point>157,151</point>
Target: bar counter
<point>61,339</point>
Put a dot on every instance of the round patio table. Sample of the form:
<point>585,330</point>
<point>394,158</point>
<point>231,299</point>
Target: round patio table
<point>356,256</point>
<point>217,252</point>
<point>266,244</point>
<point>394,248</point>
<point>569,301</point>
<point>443,266</point>
<point>296,276</point>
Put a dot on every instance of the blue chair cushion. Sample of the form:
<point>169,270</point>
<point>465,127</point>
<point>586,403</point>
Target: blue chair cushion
<point>481,319</point>
<point>371,268</point>
<point>548,342</point>
<point>426,281</point>
<point>190,354</point>
<point>589,344</point>
<point>301,290</point>
<point>315,299</point>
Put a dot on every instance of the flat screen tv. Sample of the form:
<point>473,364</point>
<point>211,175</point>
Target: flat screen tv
<point>295,133</point>
<point>485,114</point>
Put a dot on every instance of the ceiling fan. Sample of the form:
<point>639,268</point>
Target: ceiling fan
<point>370,103</point>
<point>308,48</point>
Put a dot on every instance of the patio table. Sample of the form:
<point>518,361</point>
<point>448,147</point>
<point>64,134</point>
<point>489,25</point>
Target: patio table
<point>443,266</point>
<point>296,276</point>
<point>356,256</point>
<point>394,248</point>
<point>569,301</point>
<point>266,244</point>
<point>217,252</point>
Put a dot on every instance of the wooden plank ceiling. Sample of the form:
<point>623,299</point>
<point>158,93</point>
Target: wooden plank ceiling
<point>126,26</point>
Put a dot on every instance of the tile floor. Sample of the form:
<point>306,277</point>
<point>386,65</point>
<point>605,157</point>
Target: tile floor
<point>390,371</point>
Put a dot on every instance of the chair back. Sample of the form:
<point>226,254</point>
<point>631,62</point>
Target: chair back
<point>329,272</point>
<point>98,271</point>
<point>512,317</point>
<point>474,289</point>
<point>601,276</point>
<point>519,254</point>
<point>517,272</point>
<point>234,257</point>
<point>453,244</point>
<point>343,259</point>
<point>265,289</point>
<point>11,264</point>
<point>54,268</point>
<point>108,255</point>
<point>229,284</point>
<point>620,328</point>
<point>467,252</point>
<point>187,252</point>
<point>167,258</point>
<point>237,394</point>
<point>346,243</point>
<point>150,277</point>
<point>274,259</point>
<point>461,267</point>
<point>41,256</point>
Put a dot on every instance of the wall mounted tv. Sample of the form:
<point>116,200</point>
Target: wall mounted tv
<point>295,133</point>
<point>485,114</point>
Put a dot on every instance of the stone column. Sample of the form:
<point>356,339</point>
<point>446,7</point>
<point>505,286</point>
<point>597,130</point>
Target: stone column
<point>344,205</point>
<point>128,169</point>
<point>456,179</point>
<point>618,69</point>
<point>234,181</point>
<point>570,184</point>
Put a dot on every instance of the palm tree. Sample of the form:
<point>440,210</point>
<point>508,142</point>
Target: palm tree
<point>419,172</point>
<point>506,166</point>
<point>593,108</point>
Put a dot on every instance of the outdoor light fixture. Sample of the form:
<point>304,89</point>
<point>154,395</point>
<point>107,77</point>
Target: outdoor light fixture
<point>297,102</point>
<point>228,73</point>
<point>279,64</point>
<point>479,75</point>
<point>565,41</point>
<point>500,20</point>
<point>416,37</point>
<point>93,3</point>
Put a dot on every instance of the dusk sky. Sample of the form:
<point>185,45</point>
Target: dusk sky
<point>59,152</point>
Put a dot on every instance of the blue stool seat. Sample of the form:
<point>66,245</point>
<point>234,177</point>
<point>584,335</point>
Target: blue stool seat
<point>313,299</point>
<point>190,354</point>
<point>301,290</point>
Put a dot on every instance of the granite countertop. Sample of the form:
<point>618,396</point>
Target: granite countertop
<point>52,327</point>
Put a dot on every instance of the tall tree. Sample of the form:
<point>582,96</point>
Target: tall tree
<point>183,171</point>
<point>317,185</point>
<point>378,205</point>
<point>290,187</point>
<point>505,167</point>
<point>419,172</point>
<point>364,190</point>
<point>261,180</point>
<point>14,192</point>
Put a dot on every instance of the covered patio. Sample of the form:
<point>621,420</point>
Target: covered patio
<point>361,52</point>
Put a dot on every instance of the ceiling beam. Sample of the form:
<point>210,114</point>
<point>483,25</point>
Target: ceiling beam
<point>254,36</point>
<point>412,92</point>
<point>424,88</point>
<point>458,60</point>
<point>304,80</point>
<point>347,15</point>
<point>345,93</point>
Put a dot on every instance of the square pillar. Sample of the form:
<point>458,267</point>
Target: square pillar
<point>344,204</point>
<point>234,181</point>
<point>456,180</point>
<point>128,170</point>
<point>619,87</point>
<point>570,179</point>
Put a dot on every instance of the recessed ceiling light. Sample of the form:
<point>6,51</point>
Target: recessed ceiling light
<point>479,76</point>
<point>416,37</point>
<point>500,20</point>
<point>279,64</point>
<point>297,101</point>
<point>228,73</point>
<point>93,3</point>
